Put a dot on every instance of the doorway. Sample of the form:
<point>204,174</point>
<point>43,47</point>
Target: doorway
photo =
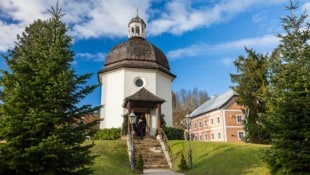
<point>143,124</point>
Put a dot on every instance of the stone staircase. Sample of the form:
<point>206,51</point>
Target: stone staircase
<point>151,151</point>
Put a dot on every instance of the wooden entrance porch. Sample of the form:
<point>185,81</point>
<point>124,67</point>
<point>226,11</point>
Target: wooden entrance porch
<point>146,107</point>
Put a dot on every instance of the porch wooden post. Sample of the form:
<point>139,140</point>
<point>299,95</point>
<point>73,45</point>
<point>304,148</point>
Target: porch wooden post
<point>158,119</point>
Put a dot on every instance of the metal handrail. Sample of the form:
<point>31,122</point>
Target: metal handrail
<point>167,144</point>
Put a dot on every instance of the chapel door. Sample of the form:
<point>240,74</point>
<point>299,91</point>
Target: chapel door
<point>143,123</point>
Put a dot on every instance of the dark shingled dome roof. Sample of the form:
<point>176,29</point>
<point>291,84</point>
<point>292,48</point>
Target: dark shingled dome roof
<point>137,19</point>
<point>136,53</point>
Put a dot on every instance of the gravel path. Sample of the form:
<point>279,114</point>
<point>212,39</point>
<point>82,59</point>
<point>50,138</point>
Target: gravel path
<point>161,172</point>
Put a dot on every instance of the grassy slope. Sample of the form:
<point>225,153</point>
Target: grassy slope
<point>221,158</point>
<point>112,158</point>
<point>208,158</point>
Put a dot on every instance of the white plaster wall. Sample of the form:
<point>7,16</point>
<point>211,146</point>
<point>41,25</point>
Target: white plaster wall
<point>119,84</point>
<point>148,77</point>
<point>112,96</point>
<point>164,91</point>
<point>157,83</point>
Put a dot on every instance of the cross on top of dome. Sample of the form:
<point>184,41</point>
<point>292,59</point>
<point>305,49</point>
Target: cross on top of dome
<point>136,27</point>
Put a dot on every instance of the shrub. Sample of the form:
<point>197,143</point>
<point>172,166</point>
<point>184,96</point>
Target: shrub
<point>107,134</point>
<point>174,133</point>
<point>125,125</point>
<point>140,162</point>
<point>182,165</point>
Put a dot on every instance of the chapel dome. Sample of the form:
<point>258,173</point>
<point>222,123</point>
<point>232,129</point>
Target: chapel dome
<point>136,52</point>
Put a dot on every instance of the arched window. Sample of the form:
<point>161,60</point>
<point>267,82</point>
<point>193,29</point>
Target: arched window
<point>137,30</point>
<point>132,30</point>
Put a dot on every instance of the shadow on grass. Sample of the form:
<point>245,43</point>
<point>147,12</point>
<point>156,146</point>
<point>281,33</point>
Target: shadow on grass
<point>177,152</point>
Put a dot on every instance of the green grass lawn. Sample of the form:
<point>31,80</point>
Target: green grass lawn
<point>112,157</point>
<point>218,158</point>
<point>208,158</point>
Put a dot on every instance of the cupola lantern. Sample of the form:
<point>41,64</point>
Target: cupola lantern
<point>136,27</point>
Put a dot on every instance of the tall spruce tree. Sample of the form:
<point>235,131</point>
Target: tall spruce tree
<point>252,87</point>
<point>289,100</point>
<point>40,122</point>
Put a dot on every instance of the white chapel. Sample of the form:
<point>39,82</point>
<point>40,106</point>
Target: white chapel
<point>136,77</point>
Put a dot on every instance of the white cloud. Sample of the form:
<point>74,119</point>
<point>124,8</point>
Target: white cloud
<point>306,7</point>
<point>180,16</point>
<point>21,13</point>
<point>258,18</point>
<point>228,61</point>
<point>24,11</point>
<point>8,35</point>
<point>97,57</point>
<point>86,19</point>
<point>106,18</point>
<point>260,44</point>
<point>190,51</point>
<point>264,44</point>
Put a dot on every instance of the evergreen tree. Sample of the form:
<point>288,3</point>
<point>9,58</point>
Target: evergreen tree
<point>289,100</point>
<point>41,127</point>
<point>182,165</point>
<point>140,162</point>
<point>252,87</point>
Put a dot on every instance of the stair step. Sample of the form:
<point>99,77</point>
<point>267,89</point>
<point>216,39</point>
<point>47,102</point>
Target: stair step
<point>151,151</point>
<point>156,166</point>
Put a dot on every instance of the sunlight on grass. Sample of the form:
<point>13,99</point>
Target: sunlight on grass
<point>208,158</point>
<point>222,158</point>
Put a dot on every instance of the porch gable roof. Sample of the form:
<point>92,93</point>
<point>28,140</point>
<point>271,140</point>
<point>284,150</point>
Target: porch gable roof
<point>143,96</point>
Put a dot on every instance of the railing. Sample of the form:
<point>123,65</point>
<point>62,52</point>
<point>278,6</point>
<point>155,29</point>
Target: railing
<point>131,154</point>
<point>168,147</point>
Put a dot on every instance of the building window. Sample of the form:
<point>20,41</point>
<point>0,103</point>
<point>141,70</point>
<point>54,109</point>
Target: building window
<point>218,119</point>
<point>200,125</point>
<point>239,118</point>
<point>139,82</point>
<point>240,135</point>
<point>219,135</point>
<point>200,137</point>
<point>195,125</point>
<point>212,136</point>
<point>206,137</point>
<point>212,121</point>
<point>205,122</point>
<point>138,30</point>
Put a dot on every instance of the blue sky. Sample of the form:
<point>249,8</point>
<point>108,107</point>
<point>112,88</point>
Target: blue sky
<point>201,38</point>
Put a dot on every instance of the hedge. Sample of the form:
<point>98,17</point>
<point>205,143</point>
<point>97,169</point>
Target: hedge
<point>174,133</point>
<point>107,134</point>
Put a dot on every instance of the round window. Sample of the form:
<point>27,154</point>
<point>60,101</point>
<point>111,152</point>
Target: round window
<point>139,82</point>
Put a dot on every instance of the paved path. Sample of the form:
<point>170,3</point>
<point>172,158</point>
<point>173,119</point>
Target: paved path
<point>161,172</point>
